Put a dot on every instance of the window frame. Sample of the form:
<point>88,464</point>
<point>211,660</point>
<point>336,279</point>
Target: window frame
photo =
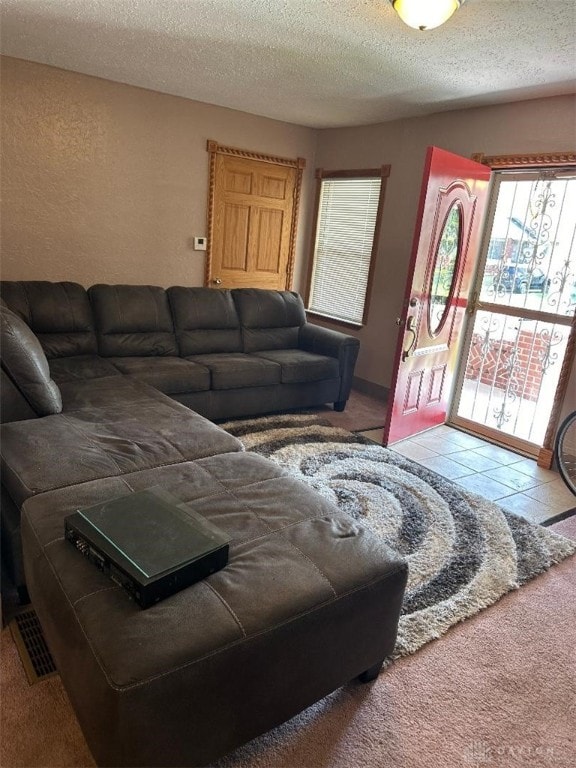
<point>382,173</point>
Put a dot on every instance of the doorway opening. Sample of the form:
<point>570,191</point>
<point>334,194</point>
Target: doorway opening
<point>521,314</point>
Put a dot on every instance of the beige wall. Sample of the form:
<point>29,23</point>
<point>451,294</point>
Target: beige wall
<point>523,127</point>
<point>104,182</point>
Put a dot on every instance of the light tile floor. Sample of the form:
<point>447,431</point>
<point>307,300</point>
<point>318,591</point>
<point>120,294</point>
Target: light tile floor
<point>514,482</point>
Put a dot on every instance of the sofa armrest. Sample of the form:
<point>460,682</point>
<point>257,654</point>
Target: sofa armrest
<point>325,341</point>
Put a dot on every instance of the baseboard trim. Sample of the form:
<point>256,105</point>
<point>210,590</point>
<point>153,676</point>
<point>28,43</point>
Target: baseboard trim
<point>370,388</point>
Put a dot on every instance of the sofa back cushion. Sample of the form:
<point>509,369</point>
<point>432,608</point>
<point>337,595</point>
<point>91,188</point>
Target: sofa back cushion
<point>132,320</point>
<point>205,320</point>
<point>269,319</point>
<point>25,363</point>
<point>59,314</point>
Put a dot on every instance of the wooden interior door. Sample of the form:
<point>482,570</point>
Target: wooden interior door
<point>252,223</point>
<point>446,240</point>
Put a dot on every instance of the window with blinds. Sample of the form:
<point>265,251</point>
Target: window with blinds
<point>346,225</point>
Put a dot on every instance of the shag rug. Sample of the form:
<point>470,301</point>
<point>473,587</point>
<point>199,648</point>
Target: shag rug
<point>463,551</point>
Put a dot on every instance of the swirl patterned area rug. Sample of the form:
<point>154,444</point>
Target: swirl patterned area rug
<point>463,551</point>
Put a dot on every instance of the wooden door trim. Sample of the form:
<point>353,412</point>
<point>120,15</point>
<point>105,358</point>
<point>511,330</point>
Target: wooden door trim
<point>299,163</point>
<point>550,160</point>
<point>213,146</point>
<point>501,162</point>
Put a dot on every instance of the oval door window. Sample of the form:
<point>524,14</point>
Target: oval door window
<point>444,273</point>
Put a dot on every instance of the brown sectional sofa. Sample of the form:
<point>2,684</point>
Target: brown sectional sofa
<point>309,600</point>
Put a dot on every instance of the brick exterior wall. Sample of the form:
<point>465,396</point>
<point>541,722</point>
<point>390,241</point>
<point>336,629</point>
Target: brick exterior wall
<point>492,367</point>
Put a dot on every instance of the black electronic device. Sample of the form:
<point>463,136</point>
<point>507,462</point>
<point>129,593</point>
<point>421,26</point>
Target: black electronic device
<point>148,543</point>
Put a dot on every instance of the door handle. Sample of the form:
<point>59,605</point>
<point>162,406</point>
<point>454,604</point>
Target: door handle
<point>410,328</point>
<point>217,281</point>
<point>400,321</point>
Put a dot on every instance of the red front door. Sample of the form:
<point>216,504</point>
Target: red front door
<point>444,250</point>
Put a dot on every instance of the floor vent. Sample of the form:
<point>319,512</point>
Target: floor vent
<point>29,639</point>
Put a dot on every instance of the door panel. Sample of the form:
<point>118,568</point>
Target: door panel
<point>445,243</point>
<point>437,379</point>
<point>272,186</point>
<point>251,238</point>
<point>234,248</point>
<point>269,241</point>
<point>238,181</point>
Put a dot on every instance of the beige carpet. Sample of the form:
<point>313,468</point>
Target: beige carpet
<point>37,724</point>
<point>497,690</point>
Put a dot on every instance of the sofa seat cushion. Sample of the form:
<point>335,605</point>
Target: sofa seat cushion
<point>299,366</point>
<point>24,361</point>
<point>110,427</point>
<point>80,368</point>
<point>233,371</point>
<point>170,375</point>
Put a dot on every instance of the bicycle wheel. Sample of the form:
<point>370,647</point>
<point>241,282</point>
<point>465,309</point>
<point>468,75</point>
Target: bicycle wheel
<point>565,451</point>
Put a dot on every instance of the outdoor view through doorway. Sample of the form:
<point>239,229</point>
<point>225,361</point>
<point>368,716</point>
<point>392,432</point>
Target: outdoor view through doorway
<point>521,310</point>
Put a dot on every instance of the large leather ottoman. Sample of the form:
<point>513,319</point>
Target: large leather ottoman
<point>310,599</point>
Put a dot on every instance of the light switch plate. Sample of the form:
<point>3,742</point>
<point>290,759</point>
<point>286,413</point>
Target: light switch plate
<point>199,243</point>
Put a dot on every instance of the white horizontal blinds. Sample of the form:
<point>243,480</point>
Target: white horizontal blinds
<point>344,238</point>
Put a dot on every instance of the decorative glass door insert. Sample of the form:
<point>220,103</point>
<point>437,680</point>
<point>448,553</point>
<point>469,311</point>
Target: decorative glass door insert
<point>522,309</point>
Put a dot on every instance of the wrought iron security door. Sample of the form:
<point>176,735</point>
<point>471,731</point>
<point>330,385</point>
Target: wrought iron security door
<point>522,309</point>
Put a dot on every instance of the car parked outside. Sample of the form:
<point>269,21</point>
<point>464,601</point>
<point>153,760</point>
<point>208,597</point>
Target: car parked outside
<point>516,278</point>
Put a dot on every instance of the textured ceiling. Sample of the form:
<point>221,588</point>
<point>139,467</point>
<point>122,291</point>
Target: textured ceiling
<point>319,63</point>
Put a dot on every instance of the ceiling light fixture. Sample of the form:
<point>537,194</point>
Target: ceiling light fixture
<point>425,14</point>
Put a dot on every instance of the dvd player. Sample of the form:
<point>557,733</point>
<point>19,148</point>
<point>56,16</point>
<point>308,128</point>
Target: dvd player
<point>148,543</point>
